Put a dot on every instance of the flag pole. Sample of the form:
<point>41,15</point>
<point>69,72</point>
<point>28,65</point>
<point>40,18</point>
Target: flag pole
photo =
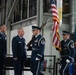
<point>45,23</point>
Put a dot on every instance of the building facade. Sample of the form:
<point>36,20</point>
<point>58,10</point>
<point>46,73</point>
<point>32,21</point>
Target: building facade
<point>25,13</point>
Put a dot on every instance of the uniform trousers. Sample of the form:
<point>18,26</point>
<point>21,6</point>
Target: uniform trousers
<point>71,68</point>
<point>66,68</point>
<point>18,67</point>
<point>1,66</point>
<point>36,67</point>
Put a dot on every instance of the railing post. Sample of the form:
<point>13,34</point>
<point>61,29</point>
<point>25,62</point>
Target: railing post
<point>54,69</point>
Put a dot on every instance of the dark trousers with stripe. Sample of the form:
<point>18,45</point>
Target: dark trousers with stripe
<point>66,68</point>
<point>36,67</point>
<point>71,68</point>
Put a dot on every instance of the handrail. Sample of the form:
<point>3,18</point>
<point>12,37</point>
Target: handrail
<point>53,68</point>
<point>30,55</point>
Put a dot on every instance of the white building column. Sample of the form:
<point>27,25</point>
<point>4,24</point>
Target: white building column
<point>39,12</point>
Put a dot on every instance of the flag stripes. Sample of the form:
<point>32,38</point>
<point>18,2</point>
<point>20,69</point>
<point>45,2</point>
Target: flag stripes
<point>55,37</point>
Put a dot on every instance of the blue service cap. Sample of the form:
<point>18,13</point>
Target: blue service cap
<point>65,32</point>
<point>36,28</point>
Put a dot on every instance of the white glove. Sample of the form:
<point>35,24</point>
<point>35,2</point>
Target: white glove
<point>15,58</point>
<point>26,47</point>
<point>37,59</point>
<point>67,61</point>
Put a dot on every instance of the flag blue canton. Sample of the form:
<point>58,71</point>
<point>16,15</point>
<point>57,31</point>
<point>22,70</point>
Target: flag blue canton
<point>52,1</point>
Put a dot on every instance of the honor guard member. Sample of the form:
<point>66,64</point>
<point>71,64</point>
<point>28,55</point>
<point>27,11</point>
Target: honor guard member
<point>19,52</point>
<point>67,54</point>
<point>2,47</point>
<point>38,46</point>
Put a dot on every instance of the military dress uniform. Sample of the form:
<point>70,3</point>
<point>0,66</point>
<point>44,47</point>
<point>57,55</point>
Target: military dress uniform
<point>38,45</point>
<point>67,56</point>
<point>19,52</point>
<point>3,50</point>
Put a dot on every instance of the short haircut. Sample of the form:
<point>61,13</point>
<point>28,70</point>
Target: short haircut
<point>20,28</point>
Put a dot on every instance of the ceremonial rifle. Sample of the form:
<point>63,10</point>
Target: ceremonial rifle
<point>30,42</point>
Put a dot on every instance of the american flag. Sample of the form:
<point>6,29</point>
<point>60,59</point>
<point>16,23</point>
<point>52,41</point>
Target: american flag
<point>55,37</point>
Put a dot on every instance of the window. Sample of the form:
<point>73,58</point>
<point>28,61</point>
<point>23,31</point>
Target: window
<point>25,6</point>
<point>32,7</point>
<point>2,11</point>
<point>25,9</point>
<point>66,6</point>
<point>0,2</point>
<point>47,5</point>
<point>17,13</point>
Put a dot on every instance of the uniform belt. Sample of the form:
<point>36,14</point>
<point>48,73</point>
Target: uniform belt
<point>35,49</point>
<point>64,55</point>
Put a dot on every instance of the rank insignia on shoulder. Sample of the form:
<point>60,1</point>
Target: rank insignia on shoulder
<point>72,45</point>
<point>42,41</point>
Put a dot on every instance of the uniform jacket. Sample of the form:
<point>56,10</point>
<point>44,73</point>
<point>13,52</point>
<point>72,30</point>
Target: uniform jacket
<point>68,50</point>
<point>18,48</point>
<point>3,48</point>
<point>38,46</point>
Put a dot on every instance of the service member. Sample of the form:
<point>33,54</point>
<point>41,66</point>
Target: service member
<point>67,54</point>
<point>38,46</point>
<point>2,47</point>
<point>19,52</point>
